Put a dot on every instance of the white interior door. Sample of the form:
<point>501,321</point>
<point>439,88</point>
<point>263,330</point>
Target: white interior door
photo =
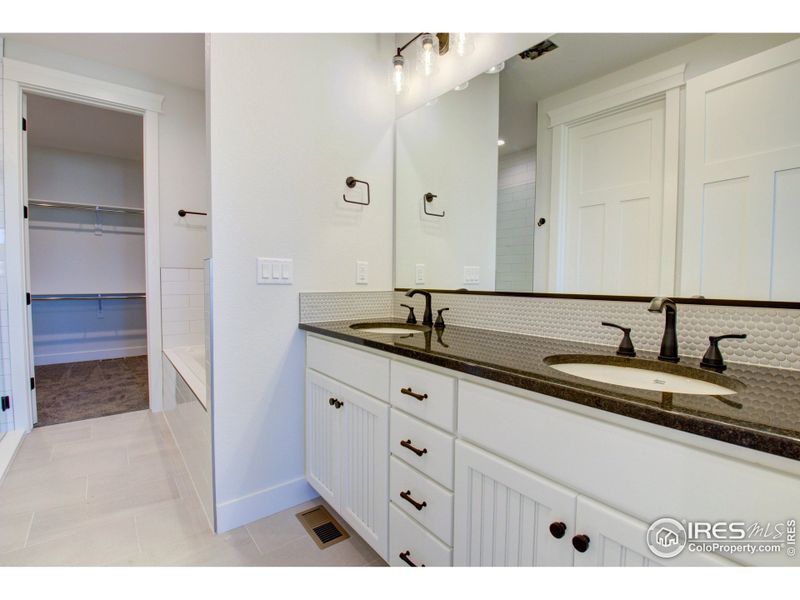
<point>613,203</point>
<point>742,190</point>
<point>26,250</point>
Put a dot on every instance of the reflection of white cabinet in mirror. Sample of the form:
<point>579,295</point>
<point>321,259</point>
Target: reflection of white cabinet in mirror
<point>445,150</point>
<point>742,197</point>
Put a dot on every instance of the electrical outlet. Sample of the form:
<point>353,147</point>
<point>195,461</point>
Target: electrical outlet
<point>362,272</point>
<point>472,275</point>
<point>275,271</point>
<point>419,274</point>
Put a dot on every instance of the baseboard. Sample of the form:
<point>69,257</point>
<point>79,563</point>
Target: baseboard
<point>8,448</point>
<point>105,354</point>
<point>238,512</point>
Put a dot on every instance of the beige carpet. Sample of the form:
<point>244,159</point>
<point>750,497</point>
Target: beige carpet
<point>85,390</point>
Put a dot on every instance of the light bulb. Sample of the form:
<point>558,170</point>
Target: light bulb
<point>398,74</point>
<point>427,54</point>
<point>463,44</point>
<point>497,68</point>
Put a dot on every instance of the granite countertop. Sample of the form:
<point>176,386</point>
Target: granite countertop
<point>763,415</point>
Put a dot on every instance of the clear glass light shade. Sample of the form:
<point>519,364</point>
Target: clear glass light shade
<point>462,44</point>
<point>398,76</point>
<point>427,54</point>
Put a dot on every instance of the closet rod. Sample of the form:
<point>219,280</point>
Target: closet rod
<point>45,297</point>
<point>92,207</point>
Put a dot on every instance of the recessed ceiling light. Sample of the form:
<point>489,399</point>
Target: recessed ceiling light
<point>497,68</point>
<point>462,86</point>
<point>501,142</point>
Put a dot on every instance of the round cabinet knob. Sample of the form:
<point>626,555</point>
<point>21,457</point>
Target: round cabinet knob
<point>580,543</point>
<point>558,529</point>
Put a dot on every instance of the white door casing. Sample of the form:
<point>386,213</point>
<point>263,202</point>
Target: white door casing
<point>742,182</point>
<point>20,78</point>
<point>614,189</point>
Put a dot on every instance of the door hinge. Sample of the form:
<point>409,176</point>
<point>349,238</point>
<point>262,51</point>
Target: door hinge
<point>24,212</point>
<point>33,383</point>
<point>28,298</point>
<point>5,403</point>
<point>24,124</point>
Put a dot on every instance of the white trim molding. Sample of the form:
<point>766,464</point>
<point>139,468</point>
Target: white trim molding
<point>20,78</point>
<point>625,95</point>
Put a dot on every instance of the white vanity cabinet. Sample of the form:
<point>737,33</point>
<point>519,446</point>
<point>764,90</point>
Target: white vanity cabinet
<point>347,452</point>
<point>436,468</point>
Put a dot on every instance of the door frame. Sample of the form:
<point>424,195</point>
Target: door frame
<point>19,78</point>
<point>664,85</point>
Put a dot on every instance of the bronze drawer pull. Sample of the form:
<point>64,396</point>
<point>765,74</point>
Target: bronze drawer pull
<point>409,392</point>
<point>404,557</point>
<point>417,451</point>
<point>407,497</point>
<point>335,402</point>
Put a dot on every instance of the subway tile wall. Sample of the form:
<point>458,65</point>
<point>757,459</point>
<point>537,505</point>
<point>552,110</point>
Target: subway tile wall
<point>773,333</point>
<point>516,192</point>
<point>182,307</point>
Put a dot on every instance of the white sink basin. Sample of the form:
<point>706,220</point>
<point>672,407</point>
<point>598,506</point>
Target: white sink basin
<point>389,328</point>
<point>643,379</point>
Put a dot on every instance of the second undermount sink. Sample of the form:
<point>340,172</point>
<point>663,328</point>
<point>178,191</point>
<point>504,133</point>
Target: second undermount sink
<point>390,328</point>
<point>645,375</point>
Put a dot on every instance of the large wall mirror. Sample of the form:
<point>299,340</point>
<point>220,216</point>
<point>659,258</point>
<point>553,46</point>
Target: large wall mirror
<point>610,164</point>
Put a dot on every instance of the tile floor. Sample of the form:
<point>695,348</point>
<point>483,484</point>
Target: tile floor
<point>114,491</point>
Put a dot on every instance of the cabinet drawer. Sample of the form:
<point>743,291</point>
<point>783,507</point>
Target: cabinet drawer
<point>407,537</point>
<point>438,394</point>
<point>437,512</point>
<point>437,447</point>
<point>361,370</point>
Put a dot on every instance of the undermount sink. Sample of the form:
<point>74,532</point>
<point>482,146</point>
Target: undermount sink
<point>390,328</point>
<point>645,375</point>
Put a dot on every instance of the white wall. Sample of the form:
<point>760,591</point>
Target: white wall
<point>701,56</point>
<point>490,49</point>
<point>183,170</point>
<point>448,148</point>
<point>516,193</point>
<point>291,116</point>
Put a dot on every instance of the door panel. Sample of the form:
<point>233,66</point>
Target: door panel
<point>503,514</point>
<point>614,196</point>
<point>322,437</point>
<point>364,501</point>
<point>742,190</point>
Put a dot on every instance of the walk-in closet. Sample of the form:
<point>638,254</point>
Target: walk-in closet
<point>86,260</point>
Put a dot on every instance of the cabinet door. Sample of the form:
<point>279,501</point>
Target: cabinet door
<point>503,514</point>
<point>364,499</point>
<point>322,437</point>
<point>619,540</point>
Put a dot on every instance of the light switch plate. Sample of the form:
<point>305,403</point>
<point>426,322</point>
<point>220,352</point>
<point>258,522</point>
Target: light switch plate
<point>419,274</point>
<point>472,275</point>
<point>362,272</point>
<point>275,271</point>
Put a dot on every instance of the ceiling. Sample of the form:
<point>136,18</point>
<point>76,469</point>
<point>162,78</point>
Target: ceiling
<point>81,128</point>
<point>174,57</point>
<point>580,57</point>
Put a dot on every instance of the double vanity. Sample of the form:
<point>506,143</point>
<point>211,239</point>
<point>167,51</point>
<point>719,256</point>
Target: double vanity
<point>462,446</point>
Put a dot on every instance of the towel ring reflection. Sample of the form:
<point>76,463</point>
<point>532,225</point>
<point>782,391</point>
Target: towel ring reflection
<point>426,199</point>
<point>351,183</point>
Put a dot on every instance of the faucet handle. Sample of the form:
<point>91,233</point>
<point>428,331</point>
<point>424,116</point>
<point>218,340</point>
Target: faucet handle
<point>626,345</point>
<point>412,318</point>
<point>712,359</point>
<point>439,319</point>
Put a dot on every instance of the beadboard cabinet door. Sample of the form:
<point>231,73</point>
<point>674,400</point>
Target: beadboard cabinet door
<point>322,437</point>
<point>503,514</point>
<point>364,454</point>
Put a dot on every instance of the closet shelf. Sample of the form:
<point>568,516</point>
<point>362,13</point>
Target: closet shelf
<point>91,207</point>
<point>49,297</point>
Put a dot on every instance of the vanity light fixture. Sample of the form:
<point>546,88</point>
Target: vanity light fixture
<point>497,68</point>
<point>431,46</point>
